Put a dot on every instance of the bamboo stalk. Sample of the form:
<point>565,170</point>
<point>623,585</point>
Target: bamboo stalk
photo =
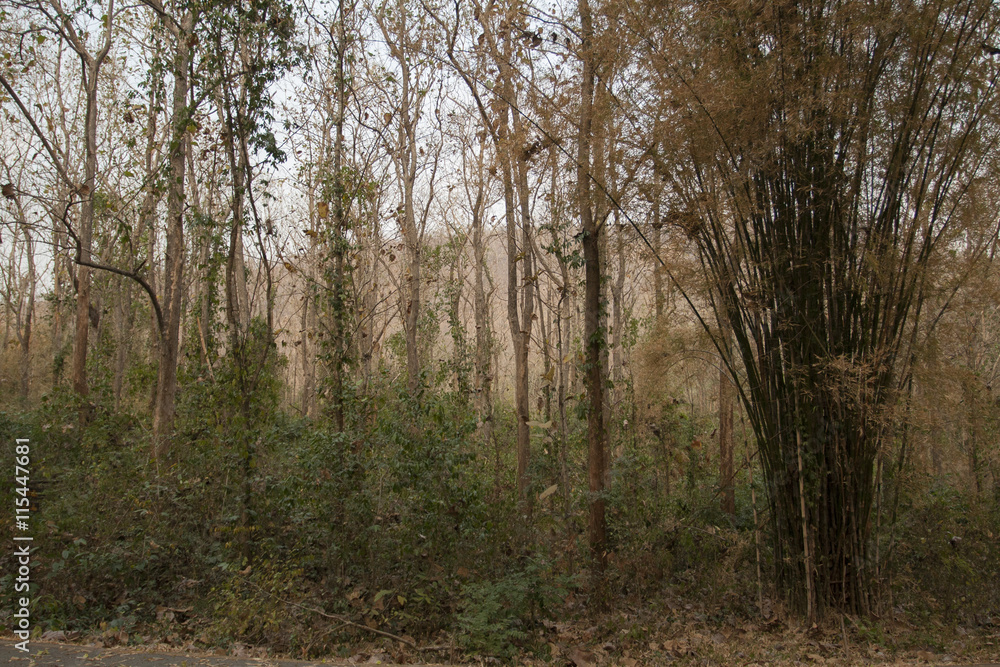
<point>756,534</point>
<point>810,593</point>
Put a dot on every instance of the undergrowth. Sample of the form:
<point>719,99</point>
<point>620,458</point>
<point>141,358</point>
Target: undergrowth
<point>269,530</point>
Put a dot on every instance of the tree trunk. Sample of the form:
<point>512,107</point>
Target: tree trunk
<point>340,315</point>
<point>971,429</point>
<point>458,358</point>
<point>58,287</point>
<point>514,323</point>
<point>563,340</point>
<point>206,289</point>
<point>548,371</point>
<point>657,269</point>
<point>398,41</point>
<point>29,315</point>
<point>149,213</point>
<point>91,69</point>
<point>308,359</point>
<point>522,394</point>
<point>618,311</point>
<point>483,371</point>
<point>237,294</point>
<point>593,336</point>
<point>173,264</point>
<point>123,334</point>
<point>84,235</point>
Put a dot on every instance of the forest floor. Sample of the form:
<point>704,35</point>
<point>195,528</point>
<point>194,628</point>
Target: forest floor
<point>573,645</point>
<point>44,654</point>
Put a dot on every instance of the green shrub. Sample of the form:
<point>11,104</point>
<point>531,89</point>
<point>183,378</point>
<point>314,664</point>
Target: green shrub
<point>497,618</point>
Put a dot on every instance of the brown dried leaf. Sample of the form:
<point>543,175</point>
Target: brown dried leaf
<point>582,658</point>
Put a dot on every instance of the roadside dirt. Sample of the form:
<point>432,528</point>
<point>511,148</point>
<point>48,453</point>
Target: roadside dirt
<point>44,654</point>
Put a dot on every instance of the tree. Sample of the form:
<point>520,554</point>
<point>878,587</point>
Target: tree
<point>329,176</point>
<point>405,36</point>
<point>501,117</point>
<point>593,333</point>
<point>339,306</point>
<point>58,21</point>
<point>173,276</point>
<point>20,280</point>
<point>477,183</point>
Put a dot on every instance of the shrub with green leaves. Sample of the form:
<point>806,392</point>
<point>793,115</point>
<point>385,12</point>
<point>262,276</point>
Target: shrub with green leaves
<point>496,618</point>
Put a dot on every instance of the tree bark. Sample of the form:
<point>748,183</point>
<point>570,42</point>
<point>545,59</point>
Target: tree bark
<point>522,345</point>
<point>483,372</point>
<point>340,319</point>
<point>656,234</point>
<point>237,294</point>
<point>308,324</point>
<point>173,274</point>
<point>91,66</point>
<point>398,39</point>
<point>593,336</point>
<point>85,232</point>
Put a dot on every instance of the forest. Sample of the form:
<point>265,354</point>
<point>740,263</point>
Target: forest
<point>591,332</point>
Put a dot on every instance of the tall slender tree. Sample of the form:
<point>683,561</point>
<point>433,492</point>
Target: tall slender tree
<point>593,333</point>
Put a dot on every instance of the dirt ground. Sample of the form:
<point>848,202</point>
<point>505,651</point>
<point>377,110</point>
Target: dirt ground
<point>43,654</point>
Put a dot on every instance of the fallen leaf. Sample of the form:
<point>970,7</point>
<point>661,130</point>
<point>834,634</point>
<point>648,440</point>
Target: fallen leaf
<point>548,492</point>
<point>581,658</point>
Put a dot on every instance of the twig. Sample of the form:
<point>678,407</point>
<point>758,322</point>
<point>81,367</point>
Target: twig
<point>38,132</point>
<point>346,621</point>
<point>843,632</point>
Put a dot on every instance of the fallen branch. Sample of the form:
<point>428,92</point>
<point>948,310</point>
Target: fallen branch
<point>346,621</point>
